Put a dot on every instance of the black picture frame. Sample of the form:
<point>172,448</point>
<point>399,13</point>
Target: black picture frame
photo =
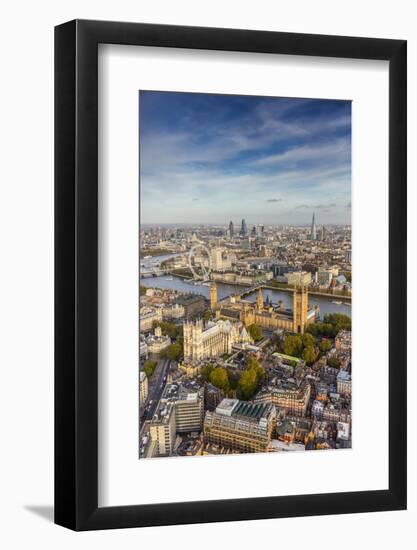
<point>76,272</point>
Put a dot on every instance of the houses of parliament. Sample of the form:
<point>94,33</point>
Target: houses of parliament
<point>264,314</point>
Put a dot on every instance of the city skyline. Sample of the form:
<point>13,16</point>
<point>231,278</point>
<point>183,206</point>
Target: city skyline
<point>215,158</point>
<point>237,223</point>
<point>245,275</point>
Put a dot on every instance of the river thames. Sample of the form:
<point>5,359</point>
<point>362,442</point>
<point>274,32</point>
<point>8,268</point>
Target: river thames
<point>326,305</point>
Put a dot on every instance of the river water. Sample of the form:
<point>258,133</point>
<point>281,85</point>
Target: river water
<point>223,290</point>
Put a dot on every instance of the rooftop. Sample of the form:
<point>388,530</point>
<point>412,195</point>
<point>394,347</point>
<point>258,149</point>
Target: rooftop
<point>242,409</point>
<point>344,376</point>
<point>250,410</point>
<point>226,406</point>
<point>181,392</point>
<point>186,299</point>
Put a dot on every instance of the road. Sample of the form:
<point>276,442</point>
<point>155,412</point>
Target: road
<point>156,392</point>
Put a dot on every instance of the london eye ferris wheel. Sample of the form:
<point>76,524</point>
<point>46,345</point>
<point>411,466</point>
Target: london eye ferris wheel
<point>199,262</point>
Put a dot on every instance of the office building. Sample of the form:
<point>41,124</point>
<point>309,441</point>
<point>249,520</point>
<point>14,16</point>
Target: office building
<point>162,429</point>
<point>287,396</point>
<point>313,234</point>
<point>243,228</point>
<point>143,388</point>
<point>180,410</point>
<point>216,259</point>
<point>299,278</point>
<point>240,426</point>
<point>344,382</point>
<point>324,276</point>
<point>147,317</point>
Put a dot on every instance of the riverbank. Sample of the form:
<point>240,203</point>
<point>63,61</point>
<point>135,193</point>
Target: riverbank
<point>275,295</point>
<point>153,252</point>
<point>269,287</point>
<point>310,292</point>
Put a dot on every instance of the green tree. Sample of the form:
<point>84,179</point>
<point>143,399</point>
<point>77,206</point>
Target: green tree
<point>333,362</point>
<point>254,364</point>
<point>307,340</point>
<point>256,332</point>
<point>293,345</point>
<point>172,352</point>
<point>180,342</point>
<point>322,329</point>
<point>313,328</point>
<point>339,321</point>
<point>309,355</point>
<point>219,377</point>
<point>149,367</point>
<point>233,381</point>
<point>250,378</point>
<point>206,371</point>
<point>168,329</point>
<point>247,384</point>
<point>325,346</point>
<point>142,290</point>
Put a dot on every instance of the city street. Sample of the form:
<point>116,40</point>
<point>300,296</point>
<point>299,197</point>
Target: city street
<point>156,387</point>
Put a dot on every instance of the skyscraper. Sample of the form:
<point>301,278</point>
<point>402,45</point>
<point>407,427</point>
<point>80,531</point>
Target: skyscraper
<point>243,228</point>
<point>313,228</point>
<point>231,230</point>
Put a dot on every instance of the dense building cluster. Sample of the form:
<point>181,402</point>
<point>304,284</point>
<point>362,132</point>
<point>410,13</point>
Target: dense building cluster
<point>245,344</point>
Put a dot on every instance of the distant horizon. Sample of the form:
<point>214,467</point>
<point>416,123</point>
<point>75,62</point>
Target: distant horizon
<point>228,157</point>
<point>237,224</point>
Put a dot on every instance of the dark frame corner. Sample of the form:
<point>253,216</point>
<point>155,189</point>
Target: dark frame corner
<point>76,234</point>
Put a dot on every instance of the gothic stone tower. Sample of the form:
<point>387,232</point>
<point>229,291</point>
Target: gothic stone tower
<point>300,307</point>
<point>193,345</point>
<point>187,333</point>
<point>247,315</point>
<point>260,300</point>
<point>213,296</point>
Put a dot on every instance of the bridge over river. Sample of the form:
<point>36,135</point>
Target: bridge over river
<point>326,303</point>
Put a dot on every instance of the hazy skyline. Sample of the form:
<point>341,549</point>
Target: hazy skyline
<point>213,158</point>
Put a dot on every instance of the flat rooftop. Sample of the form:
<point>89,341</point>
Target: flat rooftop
<point>250,410</point>
<point>243,409</point>
<point>343,376</point>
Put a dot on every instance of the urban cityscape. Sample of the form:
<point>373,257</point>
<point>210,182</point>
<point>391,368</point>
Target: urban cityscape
<point>244,325</point>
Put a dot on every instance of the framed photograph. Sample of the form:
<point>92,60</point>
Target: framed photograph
<point>230,252</point>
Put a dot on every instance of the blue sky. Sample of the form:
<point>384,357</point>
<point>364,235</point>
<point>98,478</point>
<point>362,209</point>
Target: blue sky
<point>214,158</point>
